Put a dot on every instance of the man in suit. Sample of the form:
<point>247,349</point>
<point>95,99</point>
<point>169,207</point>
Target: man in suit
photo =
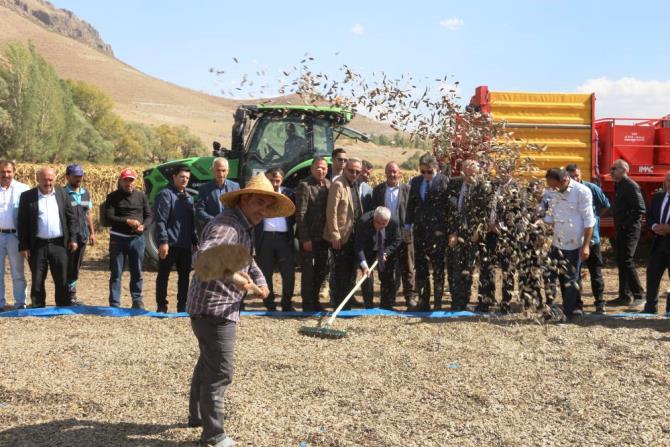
<point>343,211</point>
<point>339,160</point>
<point>658,219</point>
<point>426,225</point>
<point>365,189</point>
<point>47,230</point>
<point>627,209</point>
<point>393,195</point>
<point>472,199</point>
<point>311,197</point>
<point>208,205</point>
<point>274,248</point>
<point>377,237</point>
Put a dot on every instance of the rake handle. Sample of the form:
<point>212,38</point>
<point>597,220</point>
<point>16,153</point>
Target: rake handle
<point>348,297</point>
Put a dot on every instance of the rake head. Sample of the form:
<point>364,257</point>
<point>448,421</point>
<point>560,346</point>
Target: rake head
<point>322,332</point>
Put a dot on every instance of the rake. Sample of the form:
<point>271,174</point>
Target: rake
<point>327,330</point>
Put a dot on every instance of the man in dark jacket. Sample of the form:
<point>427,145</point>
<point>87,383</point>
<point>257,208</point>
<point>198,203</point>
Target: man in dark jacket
<point>47,230</point>
<point>311,198</point>
<point>393,195</point>
<point>274,248</point>
<point>208,205</point>
<point>128,213</point>
<point>627,209</point>
<point>426,223</point>
<point>377,237</point>
<point>175,236</point>
<point>658,219</point>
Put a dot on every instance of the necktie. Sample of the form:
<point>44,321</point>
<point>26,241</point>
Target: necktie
<point>358,211</point>
<point>380,251</point>
<point>426,188</point>
<point>664,213</point>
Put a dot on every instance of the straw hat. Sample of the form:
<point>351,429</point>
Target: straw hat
<point>259,184</point>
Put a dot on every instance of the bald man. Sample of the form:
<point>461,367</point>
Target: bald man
<point>47,229</point>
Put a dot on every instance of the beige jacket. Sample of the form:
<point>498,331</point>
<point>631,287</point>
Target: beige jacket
<point>339,212</point>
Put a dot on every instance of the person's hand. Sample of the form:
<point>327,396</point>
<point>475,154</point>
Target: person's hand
<point>25,254</point>
<point>133,223</point>
<point>91,239</point>
<point>243,285</point>
<point>163,251</point>
<point>453,240</point>
<point>336,244</point>
<point>585,252</point>
<point>72,246</point>
<point>264,292</point>
<point>307,246</point>
<point>407,236</point>
<point>139,229</point>
<point>365,271</point>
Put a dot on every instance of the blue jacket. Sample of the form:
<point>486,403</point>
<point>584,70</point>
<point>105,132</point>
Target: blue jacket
<point>600,202</point>
<point>208,205</point>
<point>174,219</point>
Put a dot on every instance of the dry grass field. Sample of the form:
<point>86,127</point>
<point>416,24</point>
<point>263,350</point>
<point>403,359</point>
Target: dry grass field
<point>499,381</point>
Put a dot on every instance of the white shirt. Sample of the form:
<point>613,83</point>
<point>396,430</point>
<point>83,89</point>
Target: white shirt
<point>665,201</point>
<point>48,216</point>
<point>571,212</point>
<point>276,224</point>
<point>391,200</point>
<point>9,203</point>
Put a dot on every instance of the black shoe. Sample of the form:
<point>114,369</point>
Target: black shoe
<point>181,309</point>
<point>649,310</point>
<point>2,309</point>
<point>137,305</point>
<point>194,423</point>
<point>482,308</point>
<point>638,302</point>
<point>270,304</point>
<point>600,307</point>
<point>19,307</point>
<point>621,301</point>
<point>576,315</point>
<point>287,308</point>
<point>387,307</point>
<point>162,308</point>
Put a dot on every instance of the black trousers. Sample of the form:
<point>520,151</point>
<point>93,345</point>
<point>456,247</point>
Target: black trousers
<point>345,272</point>
<point>405,270</point>
<point>595,266</point>
<point>626,244</point>
<point>387,279</point>
<point>74,260</point>
<point>181,258</point>
<point>429,250</point>
<point>276,251</point>
<point>48,254</point>
<point>659,262</point>
<point>489,259</point>
<point>461,261</point>
<point>314,265</point>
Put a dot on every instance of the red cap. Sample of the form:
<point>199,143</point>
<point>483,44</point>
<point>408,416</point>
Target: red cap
<point>127,173</point>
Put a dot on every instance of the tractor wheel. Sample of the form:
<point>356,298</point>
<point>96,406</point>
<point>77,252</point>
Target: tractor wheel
<point>151,249</point>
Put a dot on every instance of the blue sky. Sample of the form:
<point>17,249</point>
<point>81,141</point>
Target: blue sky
<point>617,49</point>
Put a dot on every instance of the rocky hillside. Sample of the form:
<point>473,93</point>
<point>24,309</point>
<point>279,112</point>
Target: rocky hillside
<point>59,20</point>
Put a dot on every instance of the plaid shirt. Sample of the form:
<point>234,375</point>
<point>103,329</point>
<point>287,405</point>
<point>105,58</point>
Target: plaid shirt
<point>219,298</point>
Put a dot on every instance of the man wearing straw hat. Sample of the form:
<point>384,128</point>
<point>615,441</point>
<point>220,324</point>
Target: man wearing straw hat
<point>214,305</point>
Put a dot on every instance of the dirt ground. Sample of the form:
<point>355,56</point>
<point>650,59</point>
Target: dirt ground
<point>93,381</point>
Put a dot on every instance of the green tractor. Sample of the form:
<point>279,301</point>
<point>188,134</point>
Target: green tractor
<point>263,136</point>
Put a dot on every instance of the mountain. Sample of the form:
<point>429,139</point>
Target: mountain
<point>77,51</point>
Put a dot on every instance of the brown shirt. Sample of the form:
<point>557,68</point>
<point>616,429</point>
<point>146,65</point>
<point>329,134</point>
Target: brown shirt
<point>310,215</point>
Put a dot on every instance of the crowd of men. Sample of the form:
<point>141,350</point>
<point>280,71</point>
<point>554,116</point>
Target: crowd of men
<point>433,225</point>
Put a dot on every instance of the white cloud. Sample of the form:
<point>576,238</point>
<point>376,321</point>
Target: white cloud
<point>629,97</point>
<point>357,29</point>
<point>454,23</point>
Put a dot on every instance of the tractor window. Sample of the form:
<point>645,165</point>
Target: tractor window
<point>279,141</point>
<point>323,138</point>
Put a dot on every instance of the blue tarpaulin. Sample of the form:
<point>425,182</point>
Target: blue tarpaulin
<point>104,311</point>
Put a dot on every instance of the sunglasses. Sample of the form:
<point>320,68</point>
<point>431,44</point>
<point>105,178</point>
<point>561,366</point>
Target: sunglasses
<point>427,172</point>
<point>342,160</point>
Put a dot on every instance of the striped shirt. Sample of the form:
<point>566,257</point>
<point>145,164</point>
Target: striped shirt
<point>219,298</point>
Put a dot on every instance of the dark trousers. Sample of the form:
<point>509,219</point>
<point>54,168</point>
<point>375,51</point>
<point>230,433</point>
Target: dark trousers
<point>404,273</point>
<point>48,254</point>
<point>429,250</point>
<point>345,272</point>
<point>461,265</point>
<point>531,274</point>
<point>74,260</point>
<point>120,250</point>
<point>212,374</point>
<point>626,244</point>
<point>567,273</point>
<point>595,265</point>
<point>276,251</point>
<point>489,258</point>
<point>181,258</point>
<point>659,261</point>
<point>314,265</point>
<point>387,279</point>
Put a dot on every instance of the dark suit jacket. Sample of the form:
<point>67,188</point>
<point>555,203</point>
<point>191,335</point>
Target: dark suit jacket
<point>379,196</point>
<point>366,196</point>
<point>628,206</point>
<point>290,221</point>
<point>207,206</point>
<point>364,241</point>
<point>310,209</point>
<point>28,212</point>
<point>654,217</point>
<point>429,215</point>
<point>476,211</point>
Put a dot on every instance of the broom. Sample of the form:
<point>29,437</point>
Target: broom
<point>327,330</point>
